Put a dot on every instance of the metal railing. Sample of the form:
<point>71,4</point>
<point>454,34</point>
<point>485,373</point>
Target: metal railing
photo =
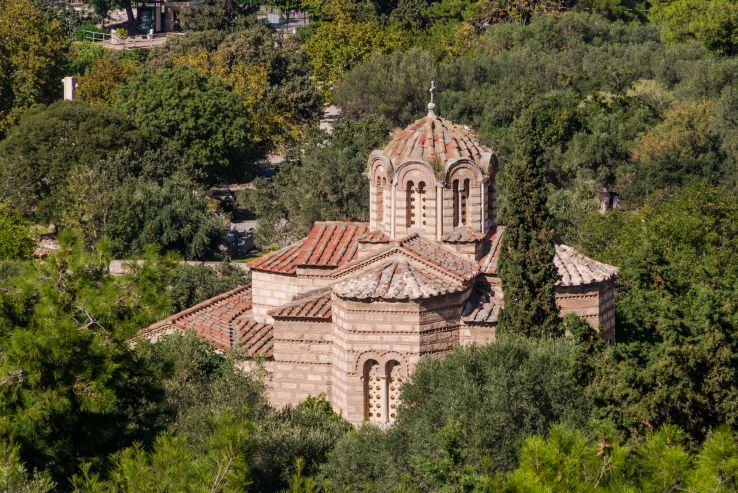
<point>95,36</point>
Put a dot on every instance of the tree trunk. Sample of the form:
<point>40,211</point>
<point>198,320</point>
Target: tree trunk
<point>131,24</point>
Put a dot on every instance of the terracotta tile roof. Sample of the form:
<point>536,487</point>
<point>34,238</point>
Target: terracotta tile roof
<point>481,307</point>
<point>253,337</point>
<point>224,321</point>
<point>314,305</point>
<point>574,268</point>
<point>433,138</point>
<point>330,244</point>
<point>439,256</point>
<point>282,261</point>
<point>488,263</point>
<point>373,237</point>
<point>462,235</point>
<point>397,279</point>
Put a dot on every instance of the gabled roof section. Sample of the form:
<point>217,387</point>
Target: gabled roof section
<point>482,307</point>
<point>576,269</point>
<point>488,263</point>
<point>397,279</point>
<point>435,139</point>
<point>224,321</point>
<point>374,237</point>
<point>254,338</point>
<point>313,305</point>
<point>330,244</point>
<point>440,256</point>
<point>573,268</point>
<point>431,255</point>
<point>281,261</point>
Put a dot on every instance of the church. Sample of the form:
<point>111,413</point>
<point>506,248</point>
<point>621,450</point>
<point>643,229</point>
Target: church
<point>350,310</point>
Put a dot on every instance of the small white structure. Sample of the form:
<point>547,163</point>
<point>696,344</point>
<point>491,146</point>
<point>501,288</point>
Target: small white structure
<point>70,88</point>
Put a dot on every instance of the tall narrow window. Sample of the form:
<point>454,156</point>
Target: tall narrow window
<point>410,205</point>
<point>420,202</point>
<point>456,202</point>
<point>491,204</point>
<point>379,195</point>
<point>374,392</point>
<point>464,204</point>
<point>394,381</point>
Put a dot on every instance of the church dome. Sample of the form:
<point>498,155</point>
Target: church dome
<point>437,141</point>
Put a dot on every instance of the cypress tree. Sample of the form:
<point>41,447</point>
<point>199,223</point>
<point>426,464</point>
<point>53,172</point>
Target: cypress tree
<point>527,270</point>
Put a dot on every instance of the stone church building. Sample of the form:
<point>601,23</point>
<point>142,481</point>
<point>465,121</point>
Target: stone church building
<point>349,310</point>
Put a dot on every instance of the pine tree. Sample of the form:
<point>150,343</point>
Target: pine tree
<point>527,270</point>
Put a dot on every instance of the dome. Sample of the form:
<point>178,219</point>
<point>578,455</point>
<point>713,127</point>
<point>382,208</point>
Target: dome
<point>436,140</point>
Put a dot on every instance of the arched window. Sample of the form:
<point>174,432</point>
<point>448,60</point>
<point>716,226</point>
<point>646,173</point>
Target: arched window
<point>464,204</point>
<point>374,392</point>
<point>420,202</point>
<point>379,196</point>
<point>456,202</point>
<point>410,205</point>
<point>394,381</point>
<point>491,203</point>
<point>461,206</point>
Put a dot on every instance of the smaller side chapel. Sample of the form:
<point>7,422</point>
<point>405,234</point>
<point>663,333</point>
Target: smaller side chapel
<point>350,310</point>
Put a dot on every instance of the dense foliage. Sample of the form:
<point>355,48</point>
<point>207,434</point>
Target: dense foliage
<point>321,180</point>
<point>590,104</point>
<point>465,414</point>
<point>527,270</point>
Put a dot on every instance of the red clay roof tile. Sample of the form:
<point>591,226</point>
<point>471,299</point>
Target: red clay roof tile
<point>311,306</point>
<point>224,321</point>
<point>434,138</point>
<point>329,244</point>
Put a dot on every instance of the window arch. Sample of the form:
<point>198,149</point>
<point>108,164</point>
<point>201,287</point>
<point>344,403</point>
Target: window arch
<point>415,204</point>
<point>379,198</point>
<point>461,202</point>
<point>374,392</point>
<point>382,390</point>
<point>394,381</point>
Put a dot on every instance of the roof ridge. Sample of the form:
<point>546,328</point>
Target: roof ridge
<point>196,308</point>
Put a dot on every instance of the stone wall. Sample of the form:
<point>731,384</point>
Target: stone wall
<point>270,290</point>
<point>594,303</point>
<point>302,361</point>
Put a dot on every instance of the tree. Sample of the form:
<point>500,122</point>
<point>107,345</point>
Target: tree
<point>103,8</point>
<point>100,83</point>
<point>192,284</point>
<point>322,179</point>
<point>406,74</point>
<point>685,146</point>
<point>574,461</point>
<point>198,115</point>
<point>714,23</point>
<point>527,271</point>
<point>13,474</point>
<point>171,217</point>
<point>16,239</point>
<point>31,59</point>
<point>465,416</point>
<point>221,465</point>
<point>221,15</point>
<point>304,433</point>
<point>270,75</point>
<point>335,47</point>
<point>72,389</point>
<point>48,143</point>
<point>675,361</point>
